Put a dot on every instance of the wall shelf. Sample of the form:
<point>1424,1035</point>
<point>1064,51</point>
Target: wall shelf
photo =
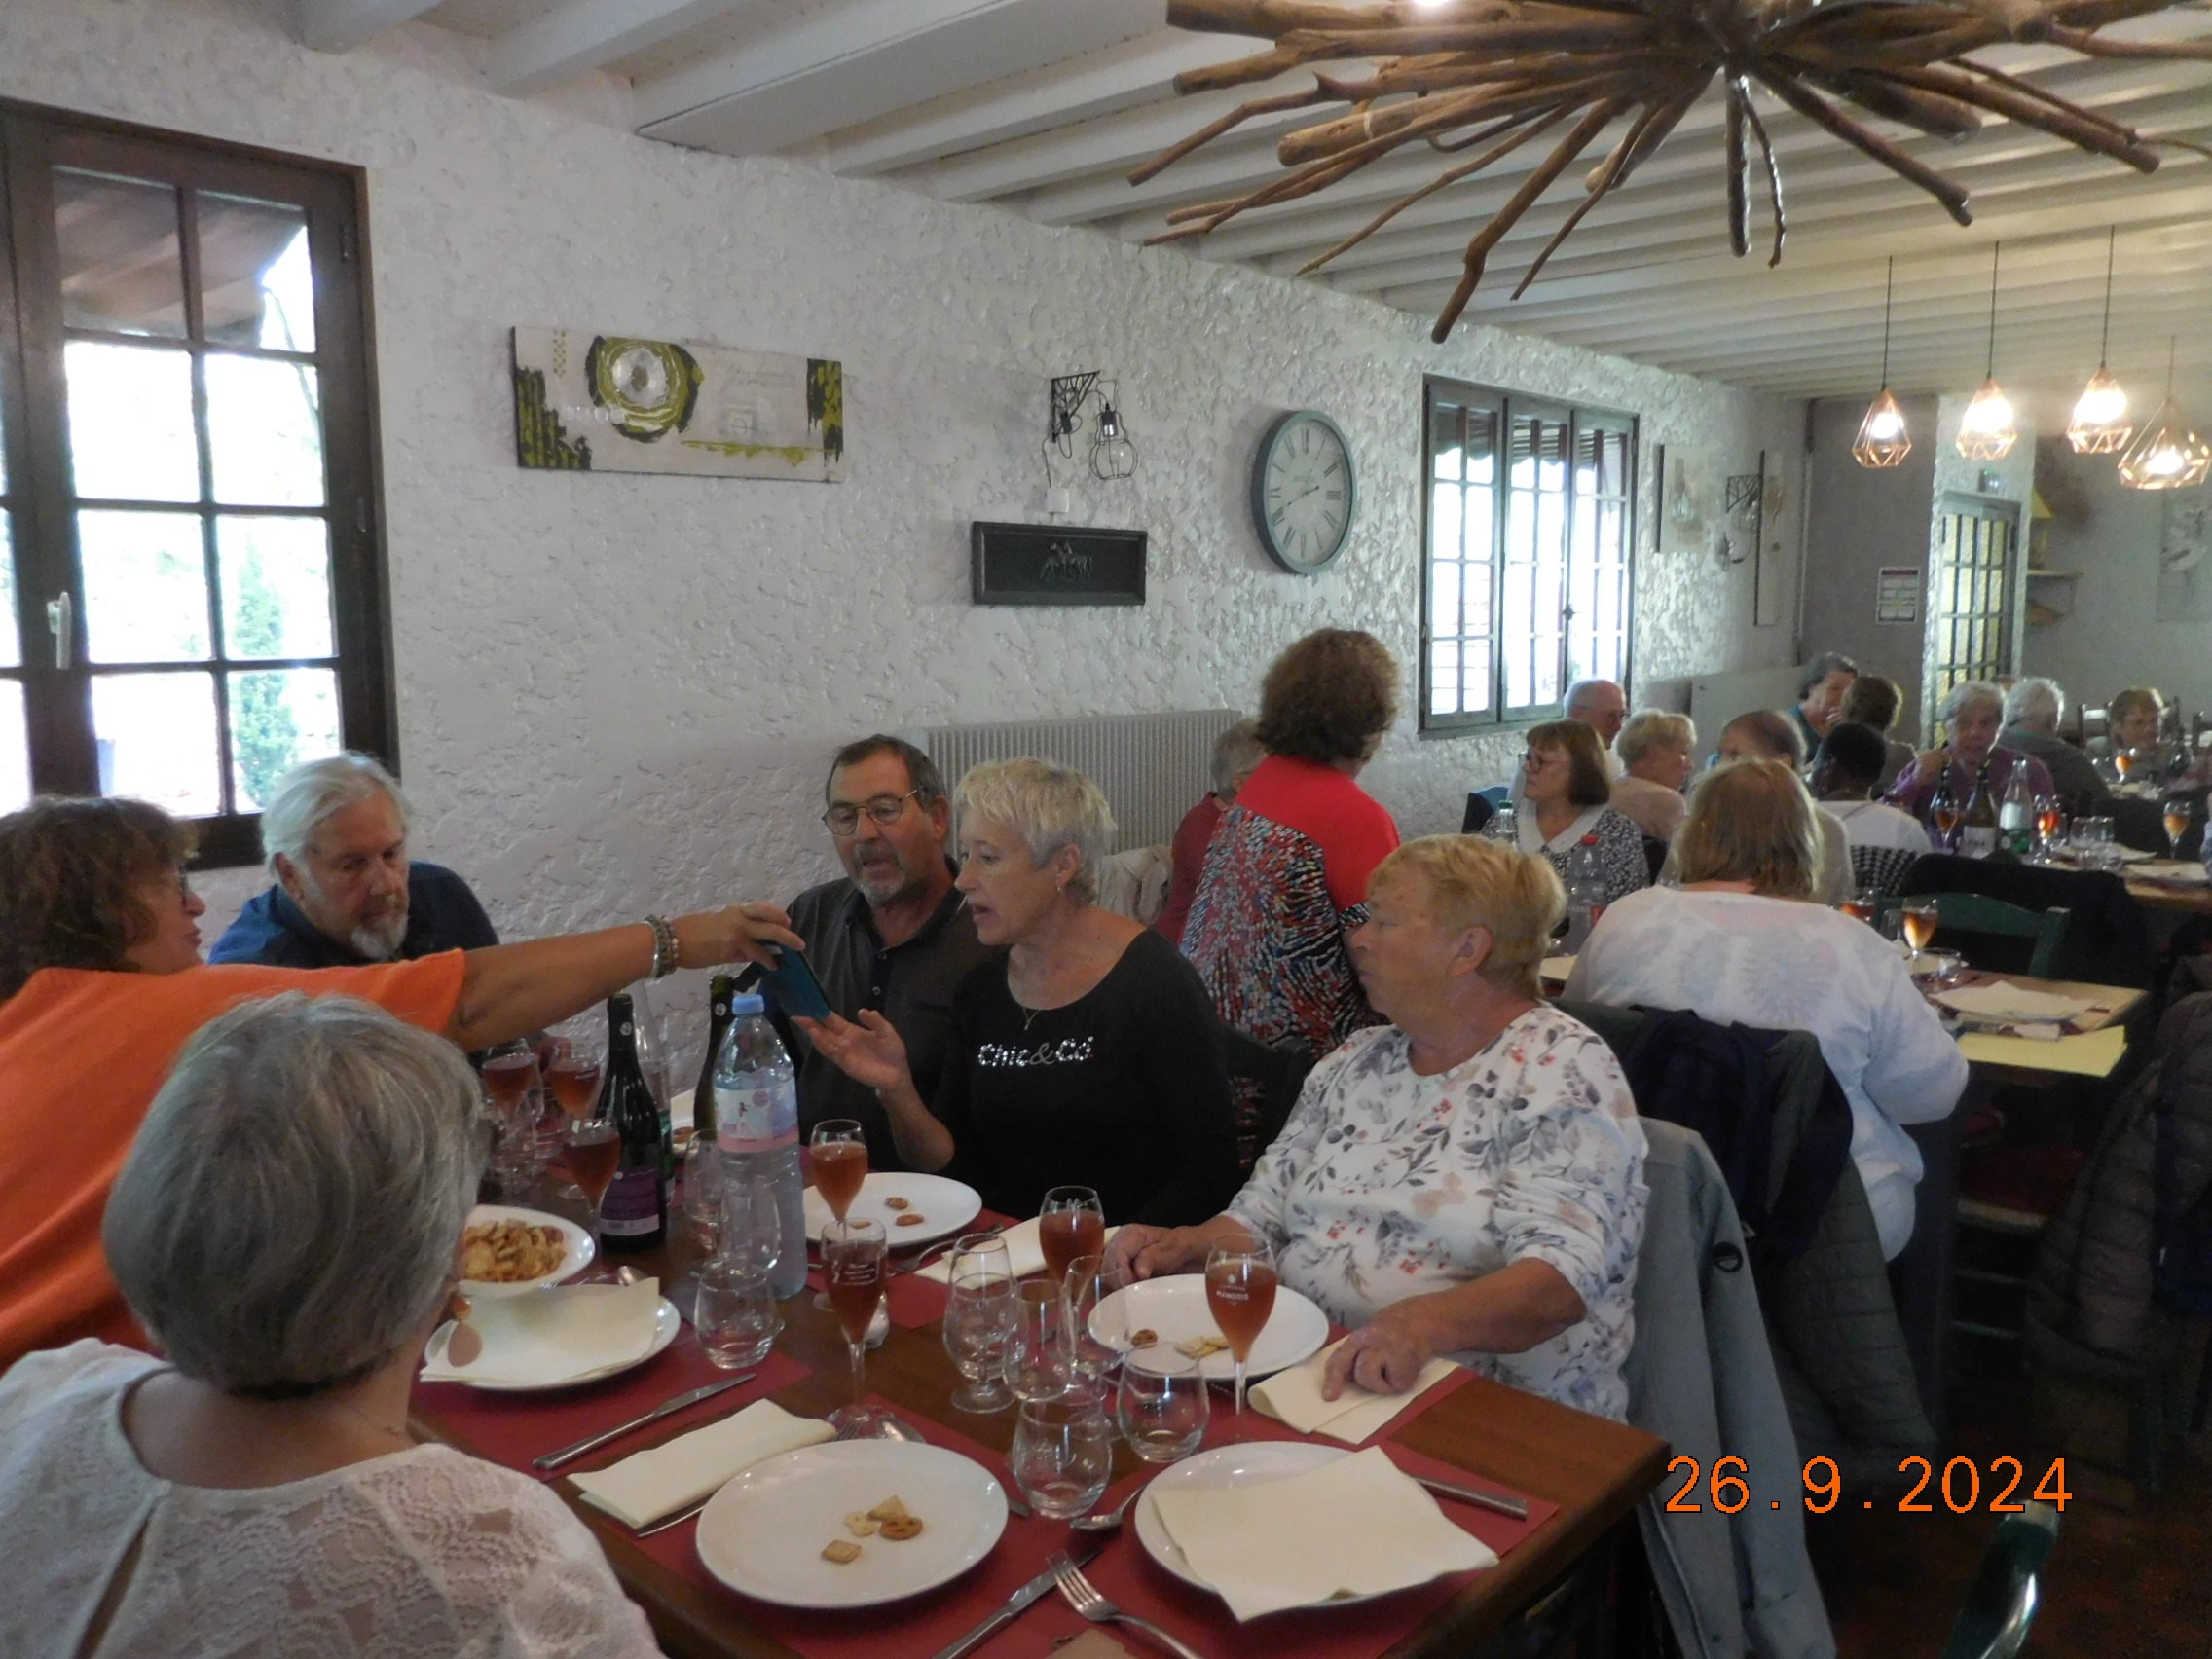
<point>2054,600</point>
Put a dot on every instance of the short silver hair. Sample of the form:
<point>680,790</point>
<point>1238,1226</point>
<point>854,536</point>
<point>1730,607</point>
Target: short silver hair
<point>1235,752</point>
<point>2035,698</point>
<point>1579,692</point>
<point>307,796</point>
<point>1648,729</point>
<point>287,1216</point>
<point>1048,806</point>
<point>1970,695</point>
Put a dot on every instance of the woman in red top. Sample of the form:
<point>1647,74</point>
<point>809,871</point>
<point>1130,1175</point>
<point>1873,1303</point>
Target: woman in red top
<point>1285,877</point>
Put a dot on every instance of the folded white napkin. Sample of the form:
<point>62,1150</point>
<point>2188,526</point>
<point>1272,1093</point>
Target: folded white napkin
<point>1561,968</point>
<point>653,1484</point>
<point>1023,1249</point>
<point>2009,1004</point>
<point>1294,1397</point>
<point>2174,872</point>
<point>1358,1525</point>
<point>551,1336</point>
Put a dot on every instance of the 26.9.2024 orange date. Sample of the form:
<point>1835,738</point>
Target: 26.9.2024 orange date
<point>1963,1488</point>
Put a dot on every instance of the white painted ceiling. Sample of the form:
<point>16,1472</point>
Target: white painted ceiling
<point>1041,107</point>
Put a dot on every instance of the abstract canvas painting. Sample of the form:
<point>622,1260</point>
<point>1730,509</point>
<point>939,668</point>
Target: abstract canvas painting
<point>617,403</point>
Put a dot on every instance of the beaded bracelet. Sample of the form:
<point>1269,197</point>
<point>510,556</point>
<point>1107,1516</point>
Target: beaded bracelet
<point>664,946</point>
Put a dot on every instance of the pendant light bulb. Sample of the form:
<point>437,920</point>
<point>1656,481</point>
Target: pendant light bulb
<point>1987,431</point>
<point>1883,440</point>
<point>2170,454</point>
<point>2100,424</point>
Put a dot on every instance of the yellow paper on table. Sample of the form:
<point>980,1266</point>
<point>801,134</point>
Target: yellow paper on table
<point>2094,1053</point>
<point>1294,1397</point>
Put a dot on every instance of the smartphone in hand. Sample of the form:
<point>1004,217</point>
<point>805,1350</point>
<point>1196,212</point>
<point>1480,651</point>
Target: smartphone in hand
<point>797,992</point>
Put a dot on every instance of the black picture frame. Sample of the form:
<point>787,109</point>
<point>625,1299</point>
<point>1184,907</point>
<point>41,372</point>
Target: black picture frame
<point>1056,564</point>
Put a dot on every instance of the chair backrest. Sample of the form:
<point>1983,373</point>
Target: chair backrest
<point>2001,1601</point>
<point>1278,1070</point>
<point>1478,815</point>
<point>1654,856</point>
<point>1881,870</point>
<point>1978,914</point>
<point>2096,722</point>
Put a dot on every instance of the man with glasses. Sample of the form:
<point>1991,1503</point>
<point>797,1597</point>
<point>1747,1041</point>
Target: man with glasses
<point>890,934</point>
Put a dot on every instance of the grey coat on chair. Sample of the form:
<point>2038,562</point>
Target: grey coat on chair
<point>1701,1376</point>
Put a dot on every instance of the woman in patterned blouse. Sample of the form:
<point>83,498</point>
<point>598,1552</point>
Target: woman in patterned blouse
<point>1466,1180</point>
<point>1565,792</point>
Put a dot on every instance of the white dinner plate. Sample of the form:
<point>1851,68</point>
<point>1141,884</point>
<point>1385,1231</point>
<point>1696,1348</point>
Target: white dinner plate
<point>666,1323</point>
<point>1176,1308</point>
<point>944,1207</point>
<point>762,1534</point>
<point>581,1249</point>
<point>1253,1464</point>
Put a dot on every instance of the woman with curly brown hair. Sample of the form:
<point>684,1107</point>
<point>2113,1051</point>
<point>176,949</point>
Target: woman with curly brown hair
<point>1285,878</point>
<point>101,985</point>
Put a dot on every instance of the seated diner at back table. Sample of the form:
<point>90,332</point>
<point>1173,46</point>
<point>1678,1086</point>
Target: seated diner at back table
<point>101,984</point>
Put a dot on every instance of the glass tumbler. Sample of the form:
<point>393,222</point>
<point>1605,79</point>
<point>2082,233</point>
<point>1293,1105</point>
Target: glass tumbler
<point>1162,1404</point>
<point>1063,1454</point>
<point>736,1315</point>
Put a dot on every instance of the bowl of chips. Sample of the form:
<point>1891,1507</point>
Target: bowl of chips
<point>506,1251</point>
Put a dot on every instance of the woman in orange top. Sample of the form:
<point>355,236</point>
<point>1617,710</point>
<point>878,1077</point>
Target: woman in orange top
<point>101,984</point>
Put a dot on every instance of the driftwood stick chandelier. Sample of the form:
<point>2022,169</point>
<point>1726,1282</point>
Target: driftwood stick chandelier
<point>1498,73</point>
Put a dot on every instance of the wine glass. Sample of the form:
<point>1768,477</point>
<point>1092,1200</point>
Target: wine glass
<point>1921,916</point>
<point>703,1191</point>
<point>1070,1223</point>
<point>593,1154</point>
<point>2050,827</point>
<point>978,1318</point>
<point>1099,1340</point>
<point>852,1261</point>
<point>2177,813</point>
<point>836,1158</point>
<point>1863,905</point>
<point>1063,1454</point>
<point>1039,1362</point>
<point>1946,812</point>
<point>1240,1293</point>
<point>1162,1404</point>
<point>512,1081</point>
<point>570,1066</point>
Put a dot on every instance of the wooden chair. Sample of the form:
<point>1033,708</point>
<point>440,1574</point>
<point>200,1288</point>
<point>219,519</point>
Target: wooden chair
<point>1976,913</point>
<point>2001,1601</point>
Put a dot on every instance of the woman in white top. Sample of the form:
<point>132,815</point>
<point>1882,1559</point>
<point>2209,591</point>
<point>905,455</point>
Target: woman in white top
<point>1563,802</point>
<point>1466,1180</point>
<point>1739,941</point>
<point>1654,750</point>
<point>284,1227</point>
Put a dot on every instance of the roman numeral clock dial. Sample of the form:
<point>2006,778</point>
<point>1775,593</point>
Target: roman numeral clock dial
<point>1303,492</point>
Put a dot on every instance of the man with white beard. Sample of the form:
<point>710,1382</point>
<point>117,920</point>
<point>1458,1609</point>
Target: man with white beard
<point>890,936</point>
<point>334,832</point>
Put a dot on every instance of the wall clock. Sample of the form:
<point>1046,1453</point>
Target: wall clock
<point>1304,492</point>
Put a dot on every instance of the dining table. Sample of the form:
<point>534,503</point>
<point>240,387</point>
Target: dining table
<point>1584,1477</point>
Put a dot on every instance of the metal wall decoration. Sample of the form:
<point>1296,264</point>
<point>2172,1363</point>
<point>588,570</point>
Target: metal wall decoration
<point>1056,564</point>
<point>1496,73</point>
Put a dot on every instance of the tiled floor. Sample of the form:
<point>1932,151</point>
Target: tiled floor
<point>2129,1579</point>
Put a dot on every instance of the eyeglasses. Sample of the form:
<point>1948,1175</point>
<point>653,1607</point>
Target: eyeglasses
<point>1531,761</point>
<point>844,819</point>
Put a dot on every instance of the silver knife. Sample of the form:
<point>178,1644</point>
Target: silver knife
<point>569,1453</point>
<point>1497,1501</point>
<point>1015,1603</point>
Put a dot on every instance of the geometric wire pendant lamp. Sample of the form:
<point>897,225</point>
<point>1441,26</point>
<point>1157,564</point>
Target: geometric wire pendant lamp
<point>1986,429</point>
<point>1883,440</point>
<point>2170,454</point>
<point>2100,424</point>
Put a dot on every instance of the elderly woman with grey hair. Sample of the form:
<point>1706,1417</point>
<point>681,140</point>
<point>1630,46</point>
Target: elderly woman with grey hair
<point>285,1227</point>
<point>1972,713</point>
<point>1086,1054</point>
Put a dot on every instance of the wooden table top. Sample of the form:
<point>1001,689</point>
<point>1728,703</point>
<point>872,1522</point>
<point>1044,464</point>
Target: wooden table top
<point>1595,1470</point>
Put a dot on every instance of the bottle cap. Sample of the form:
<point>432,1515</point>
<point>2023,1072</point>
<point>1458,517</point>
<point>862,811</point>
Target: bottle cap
<point>746,1002</point>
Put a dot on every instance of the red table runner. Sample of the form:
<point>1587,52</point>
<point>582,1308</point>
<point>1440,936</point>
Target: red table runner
<point>921,1625</point>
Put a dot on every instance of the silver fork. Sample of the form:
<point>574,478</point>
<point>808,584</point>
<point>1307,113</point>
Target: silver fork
<point>1084,1596</point>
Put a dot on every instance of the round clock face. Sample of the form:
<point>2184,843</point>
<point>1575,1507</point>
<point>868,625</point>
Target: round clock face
<point>1304,493</point>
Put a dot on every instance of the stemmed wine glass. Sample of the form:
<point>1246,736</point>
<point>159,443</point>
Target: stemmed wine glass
<point>1920,919</point>
<point>1071,1223</point>
<point>1946,812</point>
<point>1863,905</point>
<point>2177,813</point>
<point>836,1157</point>
<point>2050,827</point>
<point>594,1153</point>
<point>852,1261</point>
<point>1240,1293</point>
<point>1089,1282</point>
<point>511,1080</point>
<point>979,1319</point>
<point>573,1076</point>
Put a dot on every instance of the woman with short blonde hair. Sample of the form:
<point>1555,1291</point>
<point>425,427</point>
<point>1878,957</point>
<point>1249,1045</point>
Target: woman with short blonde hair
<point>1473,883</point>
<point>1751,821</point>
<point>1048,807</point>
<point>1654,751</point>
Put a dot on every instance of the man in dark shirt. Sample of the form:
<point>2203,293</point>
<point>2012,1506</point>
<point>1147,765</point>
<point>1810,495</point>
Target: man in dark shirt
<point>335,834</point>
<point>890,935</point>
<point>2033,709</point>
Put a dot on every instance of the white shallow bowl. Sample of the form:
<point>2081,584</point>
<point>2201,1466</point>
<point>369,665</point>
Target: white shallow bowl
<point>1253,1464</point>
<point>1176,1308</point>
<point>578,1256</point>
<point>944,1207</point>
<point>666,1323</point>
<point>762,1534</point>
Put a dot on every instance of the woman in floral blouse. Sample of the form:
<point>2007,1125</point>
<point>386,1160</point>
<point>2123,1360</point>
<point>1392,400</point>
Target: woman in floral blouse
<point>1466,1180</point>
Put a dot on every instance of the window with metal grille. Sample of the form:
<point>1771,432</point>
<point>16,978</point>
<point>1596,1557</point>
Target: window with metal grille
<point>1970,631</point>
<point>193,589</point>
<point>1526,580</point>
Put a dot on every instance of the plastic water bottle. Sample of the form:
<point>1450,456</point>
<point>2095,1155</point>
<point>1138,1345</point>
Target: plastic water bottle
<point>756,1117</point>
<point>1585,894</point>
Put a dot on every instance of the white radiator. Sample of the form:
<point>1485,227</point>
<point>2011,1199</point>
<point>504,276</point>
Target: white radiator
<point>1152,767</point>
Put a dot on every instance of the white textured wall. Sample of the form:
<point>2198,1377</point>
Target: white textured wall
<point>617,691</point>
